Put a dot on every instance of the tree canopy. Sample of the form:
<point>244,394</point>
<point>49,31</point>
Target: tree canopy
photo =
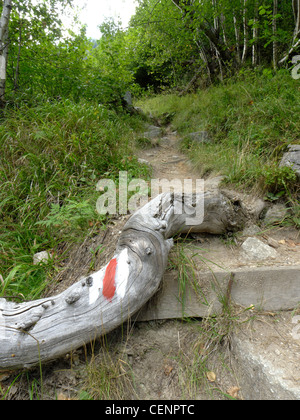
<point>169,43</point>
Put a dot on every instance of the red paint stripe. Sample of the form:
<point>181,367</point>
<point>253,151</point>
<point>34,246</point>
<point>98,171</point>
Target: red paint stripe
<point>109,282</point>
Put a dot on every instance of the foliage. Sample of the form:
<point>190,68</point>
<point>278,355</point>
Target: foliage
<point>251,119</point>
<point>167,44</point>
<point>60,129</point>
<point>279,179</point>
<point>176,40</point>
<point>52,156</point>
<point>46,60</point>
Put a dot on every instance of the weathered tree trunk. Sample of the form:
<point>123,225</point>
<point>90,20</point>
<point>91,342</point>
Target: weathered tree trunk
<point>42,330</point>
<point>223,26</point>
<point>4,23</point>
<point>237,39</point>
<point>210,32</point>
<point>246,32</point>
<point>296,10</point>
<point>296,36</point>
<point>255,36</point>
<point>216,17</point>
<point>205,60</point>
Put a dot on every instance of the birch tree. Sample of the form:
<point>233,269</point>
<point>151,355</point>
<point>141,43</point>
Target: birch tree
<point>4,24</point>
<point>255,35</point>
<point>246,32</point>
<point>296,35</point>
<point>237,39</point>
<point>296,11</point>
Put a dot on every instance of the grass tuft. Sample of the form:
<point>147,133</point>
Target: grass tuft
<point>251,120</point>
<point>52,156</point>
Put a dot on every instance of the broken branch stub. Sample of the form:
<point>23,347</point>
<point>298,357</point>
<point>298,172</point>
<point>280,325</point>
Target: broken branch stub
<point>45,329</point>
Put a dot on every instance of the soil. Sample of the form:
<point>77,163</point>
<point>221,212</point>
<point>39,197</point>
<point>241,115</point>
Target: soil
<point>164,360</point>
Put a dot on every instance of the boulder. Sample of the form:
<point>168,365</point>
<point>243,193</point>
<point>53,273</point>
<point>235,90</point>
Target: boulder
<point>255,249</point>
<point>153,132</point>
<point>199,137</point>
<point>292,158</point>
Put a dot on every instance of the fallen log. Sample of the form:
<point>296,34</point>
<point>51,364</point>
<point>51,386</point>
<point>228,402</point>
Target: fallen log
<point>42,330</point>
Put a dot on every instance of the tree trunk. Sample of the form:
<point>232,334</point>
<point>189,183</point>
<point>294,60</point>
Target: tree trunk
<point>296,40</point>
<point>211,34</point>
<point>255,36</point>
<point>237,39</point>
<point>296,10</point>
<point>42,330</point>
<point>4,24</point>
<point>274,29</point>
<point>223,26</point>
<point>216,17</point>
<point>246,33</point>
<point>205,60</point>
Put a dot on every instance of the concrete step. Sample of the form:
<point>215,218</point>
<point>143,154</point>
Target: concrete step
<point>265,288</point>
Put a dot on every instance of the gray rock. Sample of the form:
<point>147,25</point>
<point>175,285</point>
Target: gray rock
<point>153,132</point>
<point>292,158</point>
<point>41,257</point>
<point>258,250</point>
<point>143,161</point>
<point>275,214</point>
<point>199,137</point>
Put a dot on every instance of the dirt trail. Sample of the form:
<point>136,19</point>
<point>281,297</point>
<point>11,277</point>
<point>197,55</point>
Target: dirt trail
<point>235,378</point>
<point>162,359</point>
<point>168,162</point>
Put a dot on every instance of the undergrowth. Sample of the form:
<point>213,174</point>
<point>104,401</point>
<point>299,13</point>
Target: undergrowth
<point>52,156</point>
<point>251,120</point>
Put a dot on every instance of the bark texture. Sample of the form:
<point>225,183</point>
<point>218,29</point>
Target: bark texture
<point>4,23</point>
<point>39,331</point>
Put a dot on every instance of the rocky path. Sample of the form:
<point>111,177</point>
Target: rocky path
<point>243,353</point>
<point>270,244</point>
<point>265,354</point>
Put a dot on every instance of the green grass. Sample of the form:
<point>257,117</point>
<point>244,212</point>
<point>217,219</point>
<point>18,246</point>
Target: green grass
<point>52,156</point>
<point>251,119</point>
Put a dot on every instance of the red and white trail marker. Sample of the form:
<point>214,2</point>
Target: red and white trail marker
<point>112,280</point>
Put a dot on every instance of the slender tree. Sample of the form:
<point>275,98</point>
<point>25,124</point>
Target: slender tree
<point>296,35</point>
<point>255,35</point>
<point>296,10</point>
<point>4,24</point>
<point>246,32</point>
<point>237,38</point>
